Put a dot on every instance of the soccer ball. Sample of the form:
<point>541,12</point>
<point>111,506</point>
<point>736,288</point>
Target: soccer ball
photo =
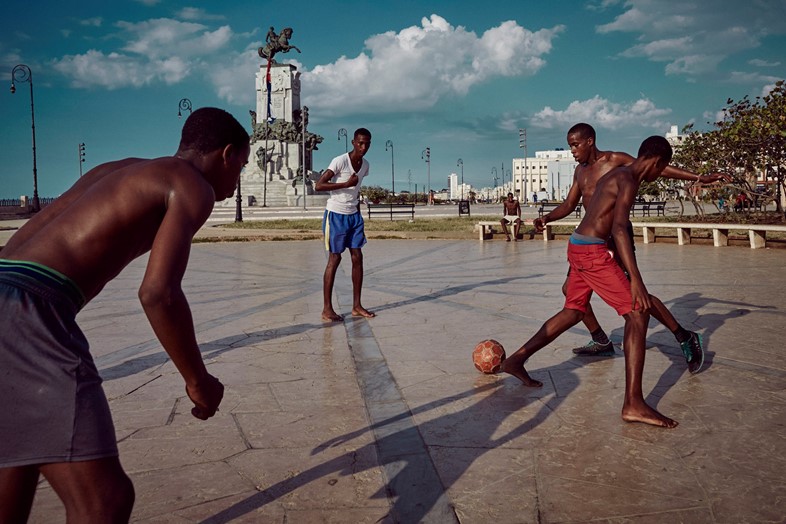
<point>488,356</point>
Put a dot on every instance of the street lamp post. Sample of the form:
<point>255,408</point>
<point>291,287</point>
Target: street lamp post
<point>524,175</point>
<point>305,123</point>
<point>81,157</point>
<point>389,143</point>
<point>495,178</point>
<point>183,105</point>
<point>22,73</point>
<point>426,155</point>
<point>343,132</point>
<point>461,163</point>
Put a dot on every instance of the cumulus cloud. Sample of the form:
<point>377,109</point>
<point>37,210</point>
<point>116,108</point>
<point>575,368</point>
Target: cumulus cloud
<point>159,50</point>
<point>690,37</point>
<point>602,113</point>
<point>414,68</point>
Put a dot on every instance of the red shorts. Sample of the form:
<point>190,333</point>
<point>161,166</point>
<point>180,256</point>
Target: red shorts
<point>593,268</point>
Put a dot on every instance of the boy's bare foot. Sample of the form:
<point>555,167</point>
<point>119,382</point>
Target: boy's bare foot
<point>520,373</point>
<point>331,316</point>
<point>647,415</point>
<point>362,312</point>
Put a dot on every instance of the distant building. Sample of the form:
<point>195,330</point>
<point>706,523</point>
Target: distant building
<point>551,171</point>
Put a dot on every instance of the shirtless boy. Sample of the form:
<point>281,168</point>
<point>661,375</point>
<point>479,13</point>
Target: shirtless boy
<point>342,224</point>
<point>512,215</point>
<point>593,268</point>
<point>56,420</point>
<point>593,164</point>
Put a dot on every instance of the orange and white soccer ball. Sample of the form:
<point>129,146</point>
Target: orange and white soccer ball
<point>488,356</point>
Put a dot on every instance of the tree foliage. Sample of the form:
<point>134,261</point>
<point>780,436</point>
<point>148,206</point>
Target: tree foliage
<point>749,140</point>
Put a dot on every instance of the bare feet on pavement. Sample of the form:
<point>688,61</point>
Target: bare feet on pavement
<point>331,316</point>
<point>646,415</point>
<point>520,373</point>
<point>362,312</point>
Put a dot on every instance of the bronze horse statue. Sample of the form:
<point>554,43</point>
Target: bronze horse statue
<point>277,44</point>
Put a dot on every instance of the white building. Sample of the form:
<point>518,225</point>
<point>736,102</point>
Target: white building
<point>674,137</point>
<point>456,190</point>
<point>550,171</point>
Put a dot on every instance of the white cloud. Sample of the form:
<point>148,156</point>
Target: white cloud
<point>159,50</point>
<point>414,68</point>
<point>693,38</point>
<point>96,21</point>
<point>763,63</point>
<point>233,77</point>
<point>602,113</point>
<point>164,37</point>
<point>197,13</point>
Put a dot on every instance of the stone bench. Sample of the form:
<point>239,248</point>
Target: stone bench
<point>757,233</point>
<point>485,228</point>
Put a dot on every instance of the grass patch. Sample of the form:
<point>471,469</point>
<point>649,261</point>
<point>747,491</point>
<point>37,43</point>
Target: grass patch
<point>436,224</point>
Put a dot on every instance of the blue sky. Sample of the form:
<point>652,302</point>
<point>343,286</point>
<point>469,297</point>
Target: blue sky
<point>458,77</point>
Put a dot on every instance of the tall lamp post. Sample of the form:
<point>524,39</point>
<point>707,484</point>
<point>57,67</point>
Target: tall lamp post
<point>22,73</point>
<point>524,175</point>
<point>81,157</point>
<point>426,155</point>
<point>495,178</point>
<point>183,105</point>
<point>461,163</point>
<point>343,132</point>
<point>389,144</point>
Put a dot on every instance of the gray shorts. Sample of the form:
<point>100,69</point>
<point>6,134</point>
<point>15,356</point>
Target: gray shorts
<point>54,408</point>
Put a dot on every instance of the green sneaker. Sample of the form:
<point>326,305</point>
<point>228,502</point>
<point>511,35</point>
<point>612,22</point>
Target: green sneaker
<point>593,349</point>
<point>694,352</point>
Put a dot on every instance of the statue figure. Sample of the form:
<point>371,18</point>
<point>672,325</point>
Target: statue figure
<point>253,118</point>
<point>276,44</point>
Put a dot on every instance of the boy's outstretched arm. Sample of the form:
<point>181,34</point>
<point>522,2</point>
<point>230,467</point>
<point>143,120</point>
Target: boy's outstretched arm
<point>165,303</point>
<point>677,173</point>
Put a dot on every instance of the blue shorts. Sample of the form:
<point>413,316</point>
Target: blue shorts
<point>343,231</point>
<point>54,409</point>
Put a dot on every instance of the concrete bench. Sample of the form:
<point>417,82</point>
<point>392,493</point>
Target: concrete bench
<point>391,210</point>
<point>757,233</point>
<point>485,228</point>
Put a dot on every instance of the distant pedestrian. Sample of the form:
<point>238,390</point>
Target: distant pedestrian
<point>56,420</point>
<point>511,210</point>
<point>342,224</point>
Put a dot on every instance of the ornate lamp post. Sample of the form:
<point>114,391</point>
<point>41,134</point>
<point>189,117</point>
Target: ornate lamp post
<point>389,144</point>
<point>343,132</point>
<point>183,105</point>
<point>461,163</point>
<point>426,155</point>
<point>22,73</point>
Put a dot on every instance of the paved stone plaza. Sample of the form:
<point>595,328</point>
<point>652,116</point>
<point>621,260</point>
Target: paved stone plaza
<point>386,420</point>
